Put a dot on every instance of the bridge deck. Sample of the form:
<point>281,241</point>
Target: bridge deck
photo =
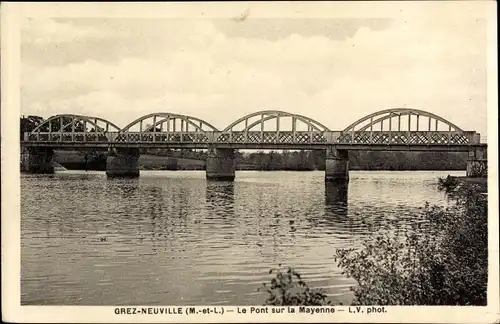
<point>310,140</point>
<point>268,146</point>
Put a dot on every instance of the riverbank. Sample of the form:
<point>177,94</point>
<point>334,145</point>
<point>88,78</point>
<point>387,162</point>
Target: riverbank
<point>73,160</point>
<point>273,161</point>
<point>169,159</point>
<point>471,180</point>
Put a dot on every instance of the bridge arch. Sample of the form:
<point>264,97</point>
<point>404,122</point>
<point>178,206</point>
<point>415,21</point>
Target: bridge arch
<point>75,123</point>
<point>170,119</point>
<point>288,129</point>
<point>167,127</point>
<point>266,115</point>
<point>378,118</point>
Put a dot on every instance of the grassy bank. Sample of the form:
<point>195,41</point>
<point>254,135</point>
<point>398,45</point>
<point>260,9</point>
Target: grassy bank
<point>273,161</point>
<point>73,160</point>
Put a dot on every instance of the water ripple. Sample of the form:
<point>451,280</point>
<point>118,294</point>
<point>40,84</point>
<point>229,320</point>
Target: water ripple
<point>175,238</point>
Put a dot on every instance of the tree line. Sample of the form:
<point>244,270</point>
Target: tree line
<point>315,160</point>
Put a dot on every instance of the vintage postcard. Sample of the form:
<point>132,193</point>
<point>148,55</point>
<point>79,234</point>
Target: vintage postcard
<point>250,162</point>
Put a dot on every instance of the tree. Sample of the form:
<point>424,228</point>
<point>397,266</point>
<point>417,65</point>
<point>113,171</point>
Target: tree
<point>29,123</point>
<point>55,124</point>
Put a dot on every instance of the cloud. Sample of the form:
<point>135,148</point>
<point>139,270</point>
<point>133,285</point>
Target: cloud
<point>42,31</point>
<point>196,69</point>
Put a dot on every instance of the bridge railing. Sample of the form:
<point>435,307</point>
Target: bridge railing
<point>69,137</point>
<point>170,137</point>
<point>272,137</point>
<point>264,137</point>
<point>409,138</point>
<point>251,137</point>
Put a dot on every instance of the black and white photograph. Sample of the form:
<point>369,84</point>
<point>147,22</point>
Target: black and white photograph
<point>328,165</point>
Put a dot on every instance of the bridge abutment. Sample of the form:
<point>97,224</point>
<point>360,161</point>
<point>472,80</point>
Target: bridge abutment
<point>336,165</point>
<point>37,160</point>
<point>220,164</point>
<point>123,163</point>
<point>477,163</point>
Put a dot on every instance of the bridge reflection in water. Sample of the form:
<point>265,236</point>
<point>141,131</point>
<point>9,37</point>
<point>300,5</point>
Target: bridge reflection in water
<point>220,195</point>
<point>336,199</point>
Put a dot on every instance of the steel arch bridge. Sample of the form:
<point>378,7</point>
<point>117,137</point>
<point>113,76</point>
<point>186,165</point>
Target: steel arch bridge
<point>397,128</point>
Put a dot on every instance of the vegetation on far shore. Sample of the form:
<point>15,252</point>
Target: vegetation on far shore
<point>275,161</point>
<point>441,260</point>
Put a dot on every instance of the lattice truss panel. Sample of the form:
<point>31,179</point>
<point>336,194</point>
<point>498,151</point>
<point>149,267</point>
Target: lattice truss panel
<point>167,127</point>
<point>272,137</point>
<point>272,126</point>
<point>403,126</point>
<point>162,137</point>
<point>415,138</point>
<point>73,128</point>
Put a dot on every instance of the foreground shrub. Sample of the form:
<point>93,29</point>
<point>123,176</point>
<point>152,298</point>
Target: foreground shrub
<point>442,261</point>
<point>288,289</point>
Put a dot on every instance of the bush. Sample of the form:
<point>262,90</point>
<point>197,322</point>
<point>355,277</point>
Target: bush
<point>288,289</point>
<point>448,184</point>
<point>441,261</point>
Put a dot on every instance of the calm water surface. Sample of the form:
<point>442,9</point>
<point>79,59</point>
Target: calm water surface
<point>172,238</point>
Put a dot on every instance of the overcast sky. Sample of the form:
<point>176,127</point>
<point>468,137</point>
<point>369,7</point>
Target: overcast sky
<point>334,71</point>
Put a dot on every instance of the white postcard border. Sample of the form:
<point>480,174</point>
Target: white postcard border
<point>12,13</point>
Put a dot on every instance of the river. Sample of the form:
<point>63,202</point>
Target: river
<point>172,238</point>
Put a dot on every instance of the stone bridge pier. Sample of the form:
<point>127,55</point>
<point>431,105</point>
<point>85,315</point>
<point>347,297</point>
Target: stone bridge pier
<point>123,162</point>
<point>477,162</point>
<point>336,165</point>
<point>37,160</point>
<point>220,164</point>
